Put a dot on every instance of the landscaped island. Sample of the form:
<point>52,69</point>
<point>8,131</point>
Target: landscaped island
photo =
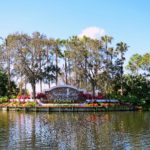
<point>85,64</point>
<point>72,107</point>
<point>67,98</point>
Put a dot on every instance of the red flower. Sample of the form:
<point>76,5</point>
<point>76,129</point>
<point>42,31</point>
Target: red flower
<point>41,95</point>
<point>24,97</point>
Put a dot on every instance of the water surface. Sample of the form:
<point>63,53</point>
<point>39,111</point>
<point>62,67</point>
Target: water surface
<point>75,131</point>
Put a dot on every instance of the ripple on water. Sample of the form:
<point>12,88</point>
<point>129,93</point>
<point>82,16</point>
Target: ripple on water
<point>110,131</point>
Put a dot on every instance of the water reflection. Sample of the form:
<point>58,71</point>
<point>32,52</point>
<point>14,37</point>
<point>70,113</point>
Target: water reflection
<point>75,131</point>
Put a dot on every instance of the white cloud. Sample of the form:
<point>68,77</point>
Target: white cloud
<point>92,32</point>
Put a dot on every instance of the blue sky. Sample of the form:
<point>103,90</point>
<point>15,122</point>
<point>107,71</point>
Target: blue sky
<point>125,20</point>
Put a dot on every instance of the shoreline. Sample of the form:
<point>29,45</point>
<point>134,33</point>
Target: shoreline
<point>67,109</point>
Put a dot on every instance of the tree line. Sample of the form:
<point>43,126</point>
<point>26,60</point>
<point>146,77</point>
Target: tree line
<point>92,64</point>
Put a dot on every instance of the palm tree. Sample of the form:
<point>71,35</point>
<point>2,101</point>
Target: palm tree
<point>134,63</point>
<point>38,42</point>
<point>107,40</point>
<point>58,53</point>
<point>121,49</point>
<point>66,53</point>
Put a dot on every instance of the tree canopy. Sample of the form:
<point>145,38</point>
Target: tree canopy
<point>92,64</point>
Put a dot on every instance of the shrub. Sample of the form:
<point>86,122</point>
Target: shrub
<point>13,96</point>
<point>3,99</point>
<point>41,96</point>
<point>84,96</point>
<point>16,104</point>
<point>30,104</point>
<point>23,97</point>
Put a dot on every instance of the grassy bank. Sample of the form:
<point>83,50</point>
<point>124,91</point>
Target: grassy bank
<point>32,106</point>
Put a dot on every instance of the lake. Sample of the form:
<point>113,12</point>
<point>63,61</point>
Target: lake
<point>75,131</point>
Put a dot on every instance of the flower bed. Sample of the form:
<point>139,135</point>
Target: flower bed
<point>21,100</point>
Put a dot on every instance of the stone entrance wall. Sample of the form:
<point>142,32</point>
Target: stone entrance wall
<point>62,93</point>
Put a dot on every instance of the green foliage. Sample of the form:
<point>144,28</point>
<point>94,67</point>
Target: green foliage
<point>13,90</point>
<point>139,63</point>
<point>3,99</point>
<point>134,63</point>
<point>138,86</point>
<point>3,83</point>
<point>146,107</point>
<point>30,104</point>
<point>13,96</point>
<point>49,73</point>
<point>136,89</point>
<point>85,63</point>
<point>146,63</point>
<point>86,60</point>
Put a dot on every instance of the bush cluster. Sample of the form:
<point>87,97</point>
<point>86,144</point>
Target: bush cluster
<point>3,99</point>
<point>90,96</point>
<point>30,104</point>
<point>23,97</point>
<point>41,96</point>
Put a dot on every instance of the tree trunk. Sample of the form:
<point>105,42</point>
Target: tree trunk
<point>25,87</point>
<point>121,74</point>
<point>66,75</point>
<point>41,89</point>
<point>33,90</point>
<point>49,84</point>
<point>20,85</point>
<point>121,80</point>
<point>85,65</point>
<point>8,67</point>
<point>40,71</point>
<point>69,72</point>
<point>48,63</point>
<point>56,69</point>
<point>93,88</point>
